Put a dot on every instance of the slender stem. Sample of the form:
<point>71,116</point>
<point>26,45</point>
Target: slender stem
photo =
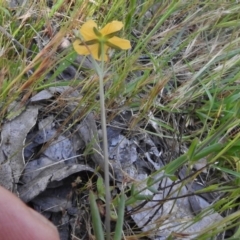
<point>105,145</point>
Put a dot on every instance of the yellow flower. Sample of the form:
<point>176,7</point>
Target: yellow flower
<point>93,39</point>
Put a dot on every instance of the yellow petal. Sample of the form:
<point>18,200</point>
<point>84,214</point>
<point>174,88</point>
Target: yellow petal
<point>80,49</point>
<point>120,42</point>
<point>111,27</point>
<point>87,30</point>
<point>89,50</point>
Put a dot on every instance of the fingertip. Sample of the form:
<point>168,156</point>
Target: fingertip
<point>18,221</point>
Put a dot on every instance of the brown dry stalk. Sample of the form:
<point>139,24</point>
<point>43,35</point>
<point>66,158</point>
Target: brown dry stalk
<point>3,73</point>
<point>48,61</point>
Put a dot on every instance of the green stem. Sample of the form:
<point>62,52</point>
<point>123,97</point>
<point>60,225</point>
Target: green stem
<point>105,144</point>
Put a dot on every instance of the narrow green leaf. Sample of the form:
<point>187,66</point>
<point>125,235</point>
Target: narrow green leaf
<point>131,201</point>
<point>207,150</point>
<point>150,182</point>
<point>101,188</point>
<point>173,166</point>
<point>143,197</point>
<point>119,226</point>
<point>5,11</point>
<point>192,148</point>
<point>55,7</point>
<point>129,18</point>
<point>96,220</point>
<point>229,171</point>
